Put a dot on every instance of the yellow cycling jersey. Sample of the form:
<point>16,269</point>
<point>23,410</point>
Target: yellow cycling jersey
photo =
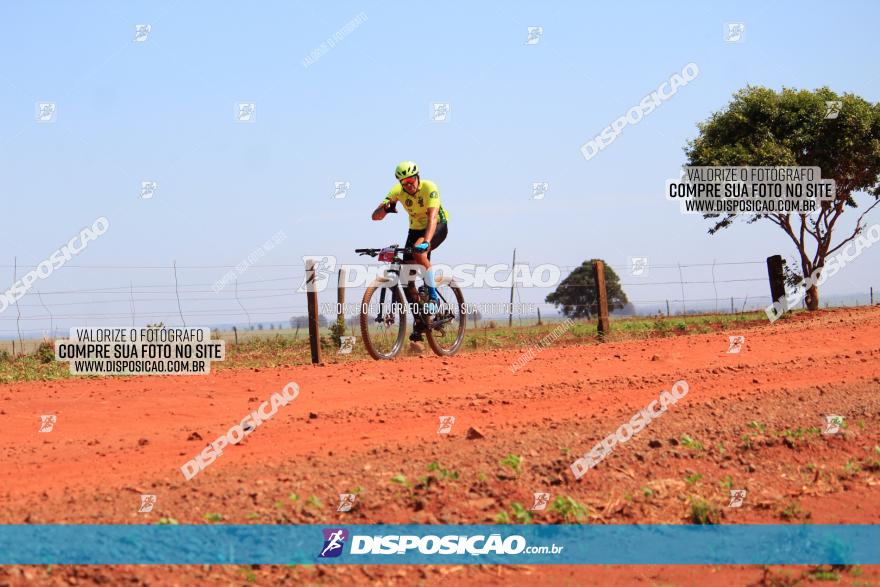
<point>417,204</point>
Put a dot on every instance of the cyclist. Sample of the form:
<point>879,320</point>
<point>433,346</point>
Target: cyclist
<point>427,223</point>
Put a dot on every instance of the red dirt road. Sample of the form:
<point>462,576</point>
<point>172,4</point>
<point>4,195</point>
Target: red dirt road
<point>357,425</point>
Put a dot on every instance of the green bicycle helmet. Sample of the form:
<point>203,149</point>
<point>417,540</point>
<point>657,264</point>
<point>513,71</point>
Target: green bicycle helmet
<point>406,169</point>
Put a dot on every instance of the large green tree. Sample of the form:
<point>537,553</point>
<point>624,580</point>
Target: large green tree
<point>763,127</point>
<point>576,294</point>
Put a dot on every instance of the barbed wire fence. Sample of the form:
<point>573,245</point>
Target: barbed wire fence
<point>680,289</point>
<point>172,294</point>
<point>263,298</point>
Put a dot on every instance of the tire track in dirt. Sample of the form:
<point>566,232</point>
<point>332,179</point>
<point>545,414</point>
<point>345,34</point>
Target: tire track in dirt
<point>373,421</point>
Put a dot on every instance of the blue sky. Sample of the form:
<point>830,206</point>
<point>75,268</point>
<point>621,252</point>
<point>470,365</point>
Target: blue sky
<point>163,110</point>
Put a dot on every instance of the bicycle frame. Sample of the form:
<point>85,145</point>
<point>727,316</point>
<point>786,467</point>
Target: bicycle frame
<point>410,293</point>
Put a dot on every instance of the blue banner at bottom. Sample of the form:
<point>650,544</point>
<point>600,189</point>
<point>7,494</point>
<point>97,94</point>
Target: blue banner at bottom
<point>440,544</point>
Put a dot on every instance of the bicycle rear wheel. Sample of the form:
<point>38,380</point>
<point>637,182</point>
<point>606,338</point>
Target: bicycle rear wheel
<point>446,326</point>
<point>383,320</point>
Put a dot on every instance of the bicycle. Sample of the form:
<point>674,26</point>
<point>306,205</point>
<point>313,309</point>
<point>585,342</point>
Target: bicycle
<point>383,322</point>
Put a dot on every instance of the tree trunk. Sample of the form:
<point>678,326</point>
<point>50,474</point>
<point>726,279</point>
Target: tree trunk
<point>812,298</point>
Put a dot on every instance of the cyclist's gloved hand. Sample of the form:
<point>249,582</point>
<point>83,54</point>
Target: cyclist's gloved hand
<point>422,247</point>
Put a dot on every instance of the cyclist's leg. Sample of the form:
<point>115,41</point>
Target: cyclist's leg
<point>412,295</point>
<point>439,236</point>
<point>425,259</point>
<point>431,279</point>
<point>411,237</point>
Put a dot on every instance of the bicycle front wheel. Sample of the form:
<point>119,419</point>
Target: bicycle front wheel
<point>383,321</point>
<point>446,327</point>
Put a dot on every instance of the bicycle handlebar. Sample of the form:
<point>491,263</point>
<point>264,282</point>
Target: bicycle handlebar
<point>375,252</point>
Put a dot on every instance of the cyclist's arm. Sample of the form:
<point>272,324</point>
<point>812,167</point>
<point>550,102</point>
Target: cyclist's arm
<point>433,212</point>
<point>384,207</point>
<point>379,212</point>
<point>432,224</point>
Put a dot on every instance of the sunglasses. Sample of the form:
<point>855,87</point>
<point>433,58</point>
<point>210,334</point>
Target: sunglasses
<point>409,181</point>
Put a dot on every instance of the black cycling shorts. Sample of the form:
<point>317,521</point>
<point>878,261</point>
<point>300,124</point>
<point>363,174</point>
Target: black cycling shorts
<point>414,235</point>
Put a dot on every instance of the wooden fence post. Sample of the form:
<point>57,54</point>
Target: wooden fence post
<point>777,277</point>
<point>340,302</point>
<point>312,296</point>
<point>512,286</point>
<point>603,326</point>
